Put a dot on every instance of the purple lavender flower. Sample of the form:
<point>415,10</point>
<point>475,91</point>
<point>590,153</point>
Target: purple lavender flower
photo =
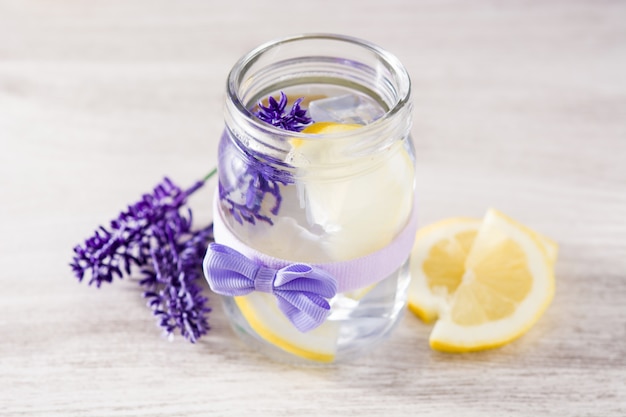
<point>155,234</point>
<point>274,114</point>
<point>260,177</point>
<point>170,282</point>
<point>127,241</point>
<point>258,181</point>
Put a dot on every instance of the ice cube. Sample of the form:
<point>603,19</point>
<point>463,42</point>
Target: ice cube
<point>348,108</point>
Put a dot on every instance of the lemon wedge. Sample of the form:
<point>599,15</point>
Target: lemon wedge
<point>486,282</point>
<point>264,317</point>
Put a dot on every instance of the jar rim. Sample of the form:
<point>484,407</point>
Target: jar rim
<point>246,61</point>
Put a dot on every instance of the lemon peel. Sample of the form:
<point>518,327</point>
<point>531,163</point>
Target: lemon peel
<point>264,317</point>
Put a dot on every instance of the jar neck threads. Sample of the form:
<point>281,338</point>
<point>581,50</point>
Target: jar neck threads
<point>317,59</point>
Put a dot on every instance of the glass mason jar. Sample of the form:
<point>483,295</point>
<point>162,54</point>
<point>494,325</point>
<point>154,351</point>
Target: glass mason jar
<point>336,196</point>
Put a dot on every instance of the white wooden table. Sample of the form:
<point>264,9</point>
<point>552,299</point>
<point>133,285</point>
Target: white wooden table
<point>520,106</point>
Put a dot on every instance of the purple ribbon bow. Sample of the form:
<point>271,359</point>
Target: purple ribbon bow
<point>300,289</point>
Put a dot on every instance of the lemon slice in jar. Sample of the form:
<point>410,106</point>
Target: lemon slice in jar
<point>366,203</point>
<point>262,314</point>
<point>357,216</point>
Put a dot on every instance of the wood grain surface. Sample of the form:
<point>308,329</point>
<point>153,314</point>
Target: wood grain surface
<point>519,105</point>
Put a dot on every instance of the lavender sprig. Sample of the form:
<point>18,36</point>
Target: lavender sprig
<point>260,178</point>
<point>155,234</point>
<point>170,283</point>
<point>274,114</point>
<point>127,241</point>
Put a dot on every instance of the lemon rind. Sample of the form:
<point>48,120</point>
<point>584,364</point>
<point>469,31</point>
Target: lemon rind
<point>269,335</point>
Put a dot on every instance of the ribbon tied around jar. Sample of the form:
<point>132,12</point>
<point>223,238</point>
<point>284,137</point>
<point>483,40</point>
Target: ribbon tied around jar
<point>301,290</point>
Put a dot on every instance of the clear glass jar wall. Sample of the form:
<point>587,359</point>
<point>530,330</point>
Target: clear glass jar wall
<point>339,190</point>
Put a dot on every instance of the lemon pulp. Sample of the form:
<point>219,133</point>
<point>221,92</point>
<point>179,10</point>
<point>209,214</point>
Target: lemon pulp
<point>353,223</point>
